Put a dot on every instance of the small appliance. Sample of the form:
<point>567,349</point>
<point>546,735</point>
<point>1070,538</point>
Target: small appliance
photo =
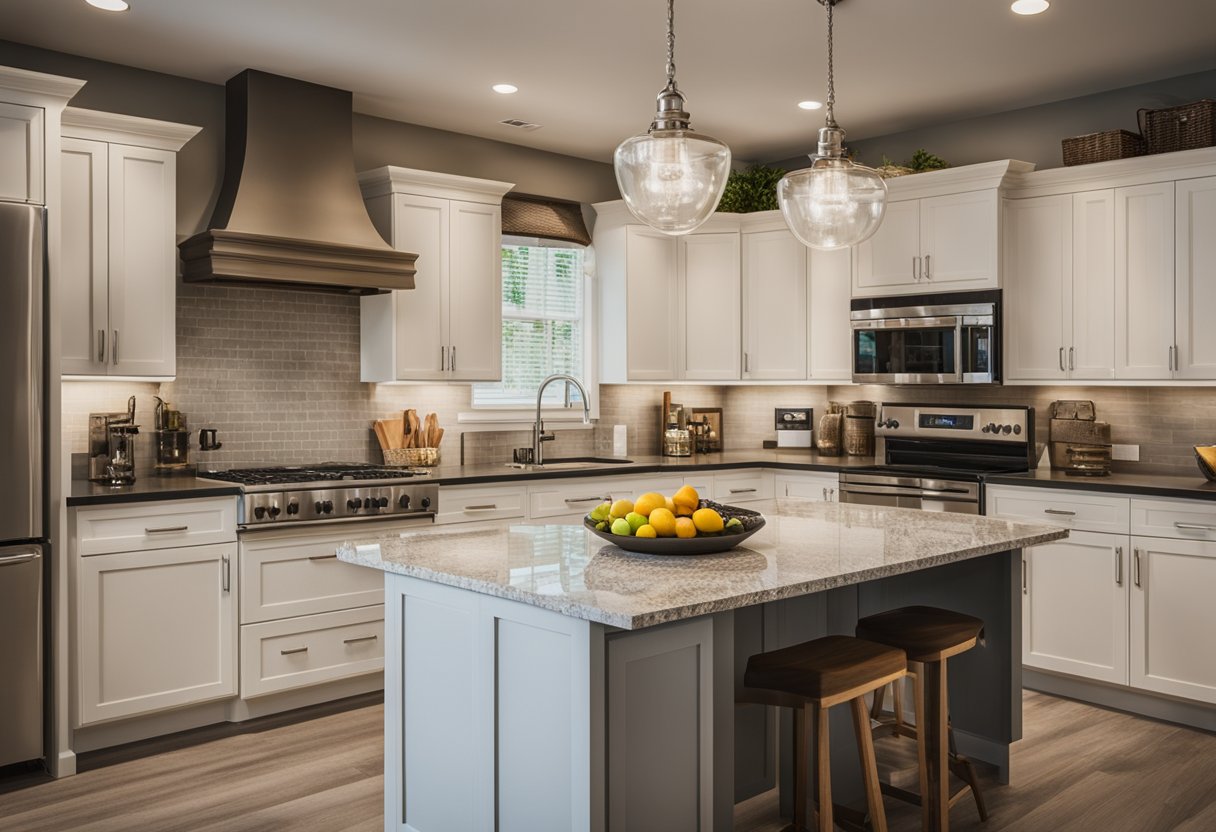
<point>100,449</point>
<point>793,426</point>
<point>172,438</point>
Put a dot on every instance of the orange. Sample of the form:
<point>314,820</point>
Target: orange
<point>671,506</point>
<point>648,502</point>
<point>620,508</point>
<point>663,522</point>
<point>685,527</point>
<point>687,497</point>
<point>707,520</point>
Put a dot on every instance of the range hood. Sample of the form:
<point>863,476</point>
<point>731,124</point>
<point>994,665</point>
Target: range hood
<point>290,212</point>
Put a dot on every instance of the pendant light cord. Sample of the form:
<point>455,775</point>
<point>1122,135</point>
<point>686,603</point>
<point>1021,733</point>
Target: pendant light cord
<point>671,44</point>
<point>831,102</point>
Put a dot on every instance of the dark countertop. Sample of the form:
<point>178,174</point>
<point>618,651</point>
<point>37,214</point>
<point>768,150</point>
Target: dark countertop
<point>1144,485</point>
<point>147,487</point>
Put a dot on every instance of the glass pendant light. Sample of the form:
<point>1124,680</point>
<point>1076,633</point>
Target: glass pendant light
<point>834,203</point>
<point>670,177</point>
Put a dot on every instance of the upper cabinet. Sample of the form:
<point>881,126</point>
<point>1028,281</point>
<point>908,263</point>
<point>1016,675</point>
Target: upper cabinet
<point>118,267</point>
<point>941,233</point>
<point>22,142</point>
<point>1195,278</point>
<point>710,325</point>
<point>449,326</point>
<point>775,322</point>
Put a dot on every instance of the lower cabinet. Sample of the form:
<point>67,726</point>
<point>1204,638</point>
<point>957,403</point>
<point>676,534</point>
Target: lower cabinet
<point>732,487</point>
<point>813,487</point>
<point>295,652</point>
<point>1173,617</point>
<point>1075,606</point>
<point>156,629</point>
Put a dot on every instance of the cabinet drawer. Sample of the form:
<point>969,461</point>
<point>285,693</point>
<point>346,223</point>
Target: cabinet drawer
<point>817,487</point>
<point>467,504</point>
<point>572,498</point>
<point>297,652</point>
<point>1074,510</point>
<point>286,577</point>
<point>162,525</point>
<point>747,486</point>
<point>1183,519</point>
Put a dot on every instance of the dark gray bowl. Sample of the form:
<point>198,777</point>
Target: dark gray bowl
<point>702,544</point>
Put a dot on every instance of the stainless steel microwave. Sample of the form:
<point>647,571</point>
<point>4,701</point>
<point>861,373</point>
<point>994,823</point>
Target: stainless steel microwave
<point>948,338</point>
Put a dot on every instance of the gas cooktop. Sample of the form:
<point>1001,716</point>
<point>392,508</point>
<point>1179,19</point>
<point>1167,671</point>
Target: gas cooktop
<point>323,473</point>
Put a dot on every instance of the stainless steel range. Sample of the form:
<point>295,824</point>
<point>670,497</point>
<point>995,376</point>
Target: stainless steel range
<point>328,493</point>
<point>934,457</point>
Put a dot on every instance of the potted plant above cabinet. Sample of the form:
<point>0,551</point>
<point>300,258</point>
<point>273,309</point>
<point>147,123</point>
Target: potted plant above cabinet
<point>449,326</point>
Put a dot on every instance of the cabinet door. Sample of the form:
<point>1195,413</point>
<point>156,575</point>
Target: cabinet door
<point>420,225</point>
<point>830,342</point>
<point>958,240</point>
<point>1038,277</point>
<point>1195,277</point>
<point>651,303</point>
<point>1092,346</point>
<point>1144,280</point>
<point>1173,617</point>
<point>815,488</point>
<point>711,343</point>
<point>21,153</point>
<point>157,630</point>
<point>475,292</point>
<point>774,306</point>
<point>143,261</point>
<point>889,262</point>
<point>84,304</point>
<point>1074,606</point>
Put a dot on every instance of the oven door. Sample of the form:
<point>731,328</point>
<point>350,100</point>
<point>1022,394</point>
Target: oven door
<point>908,351</point>
<point>952,496</point>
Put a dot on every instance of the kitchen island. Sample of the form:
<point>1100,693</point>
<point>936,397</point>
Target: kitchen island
<point>539,679</point>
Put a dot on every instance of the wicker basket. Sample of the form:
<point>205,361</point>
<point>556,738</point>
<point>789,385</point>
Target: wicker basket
<point>859,435</point>
<point>1102,147</point>
<point>828,438</point>
<point>417,457</point>
<point>1185,127</point>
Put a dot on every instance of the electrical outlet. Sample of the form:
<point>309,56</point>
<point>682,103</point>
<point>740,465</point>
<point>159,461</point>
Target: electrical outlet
<point>1127,453</point>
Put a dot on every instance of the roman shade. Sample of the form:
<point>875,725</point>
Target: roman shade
<point>548,219</point>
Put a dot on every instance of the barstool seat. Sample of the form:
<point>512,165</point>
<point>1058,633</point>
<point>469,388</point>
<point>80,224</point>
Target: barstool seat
<point>926,634</point>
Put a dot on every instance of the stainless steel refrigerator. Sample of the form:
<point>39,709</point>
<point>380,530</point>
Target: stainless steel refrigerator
<point>23,470</point>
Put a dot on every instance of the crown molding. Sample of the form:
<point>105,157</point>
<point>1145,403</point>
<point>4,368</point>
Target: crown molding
<point>123,129</point>
<point>395,180</point>
<point>958,180</point>
<point>1118,173</point>
<point>21,86</point>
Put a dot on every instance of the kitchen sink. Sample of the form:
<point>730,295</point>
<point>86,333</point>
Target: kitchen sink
<point>574,463</point>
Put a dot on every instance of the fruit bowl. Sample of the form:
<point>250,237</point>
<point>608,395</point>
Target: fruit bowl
<point>703,544</point>
<point>1205,455</point>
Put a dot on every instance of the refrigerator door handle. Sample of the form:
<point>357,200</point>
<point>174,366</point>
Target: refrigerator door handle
<point>12,560</point>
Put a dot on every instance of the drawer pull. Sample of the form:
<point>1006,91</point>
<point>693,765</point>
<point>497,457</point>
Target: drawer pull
<point>743,491</point>
<point>1025,590</point>
<point>334,556</point>
<point>167,529</point>
<point>227,577</point>
<point>1060,512</point>
<point>1136,566</point>
<point>490,507</point>
<point>359,639</point>
<point>1118,566</point>
<point>1194,527</point>
<point>588,499</point>
<point>293,651</point>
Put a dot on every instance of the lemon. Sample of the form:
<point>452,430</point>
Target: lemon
<point>707,520</point>
<point>620,508</point>
<point>686,497</point>
<point>663,522</point>
<point>646,531</point>
<point>648,502</point>
<point>685,527</point>
<point>671,505</point>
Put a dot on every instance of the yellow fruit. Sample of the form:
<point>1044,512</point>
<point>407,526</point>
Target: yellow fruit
<point>685,527</point>
<point>646,531</point>
<point>707,520</point>
<point>620,508</point>
<point>684,511</point>
<point>648,502</point>
<point>663,522</point>
<point>687,497</point>
<point>671,505</point>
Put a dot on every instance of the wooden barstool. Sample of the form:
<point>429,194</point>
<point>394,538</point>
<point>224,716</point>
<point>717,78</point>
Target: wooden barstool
<point>929,636</point>
<point>812,677</point>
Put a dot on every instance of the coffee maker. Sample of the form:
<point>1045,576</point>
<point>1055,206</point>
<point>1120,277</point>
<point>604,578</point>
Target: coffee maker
<point>112,446</point>
<point>172,437</point>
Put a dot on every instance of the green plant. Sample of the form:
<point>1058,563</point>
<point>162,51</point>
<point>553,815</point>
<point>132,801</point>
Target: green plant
<point>752,190</point>
<point>922,161</point>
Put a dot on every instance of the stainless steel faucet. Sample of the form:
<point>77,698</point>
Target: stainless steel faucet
<point>539,437</point>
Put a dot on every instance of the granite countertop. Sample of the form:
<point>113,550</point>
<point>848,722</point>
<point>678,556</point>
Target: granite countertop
<point>148,486</point>
<point>804,548</point>
<point>1144,485</point>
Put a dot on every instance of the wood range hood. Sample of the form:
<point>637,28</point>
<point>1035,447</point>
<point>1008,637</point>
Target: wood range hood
<point>290,213</point>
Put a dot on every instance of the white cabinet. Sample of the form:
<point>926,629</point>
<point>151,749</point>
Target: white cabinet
<point>1144,281</point>
<point>155,629</point>
<point>708,269</point>
<point>1195,278</point>
<point>813,487</point>
<point>22,140</point>
<point>649,309</point>
<point>1091,347</point>
<point>933,244</point>
<point>449,327</point>
<point>469,503</point>
<point>775,320</point>
<point>1173,617</point>
<point>118,270</point>
<point>1081,511</point>
<point>1075,606</point>
<point>746,486</point>
<point>830,353</point>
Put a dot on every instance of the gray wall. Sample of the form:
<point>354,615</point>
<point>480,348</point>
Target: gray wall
<point>1031,134</point>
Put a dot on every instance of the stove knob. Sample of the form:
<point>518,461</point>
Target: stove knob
<point>404,502</point>
<point>293,508</point>
<point>368,502</point>
<point>327,507</point>
<point>319,507</point>
<point>259,512</point>
<point>275,511</point>
<point>382,502</point>
<point>426,502</point>
<point>354,505</point>
<point>893,424</point>
<point>1017,429</point>
<point>984,429</point>
<point>880,424</point>
<point>1007,429</point>
<point>991,427</point>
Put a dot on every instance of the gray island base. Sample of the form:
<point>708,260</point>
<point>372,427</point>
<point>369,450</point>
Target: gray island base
<point>540,680</point>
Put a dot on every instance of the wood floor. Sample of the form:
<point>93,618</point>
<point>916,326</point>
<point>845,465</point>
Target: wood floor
<point>1079,768</point>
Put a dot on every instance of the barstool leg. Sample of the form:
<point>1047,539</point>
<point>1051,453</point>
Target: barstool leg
<point>869,765</point>
<point>801,728</point>
<point>897,698</point>
<point>937,799</point>
<point>918,710</point>
<point>823,767</point>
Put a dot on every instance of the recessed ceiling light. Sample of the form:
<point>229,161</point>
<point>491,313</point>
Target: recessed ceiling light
<point>810,105</point>
<point>109,5</point>
<point>505,89</point>
<point>1029,6</point>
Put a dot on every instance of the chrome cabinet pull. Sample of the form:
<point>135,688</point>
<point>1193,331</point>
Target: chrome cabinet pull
<point>1173,358</point>
<point>334,556</point>
<point>1060,512</point>
<point>915,263</point>
<point>490,507</point>
<point>747,364</point>
<point>742,491</point>
<point>926,270</point>
<point>587,499</point>
<point>1061,359</point>
<point>166,529</point>
<point>101,346</point>
<point>1194,527</point>
<point>293,650</point>
<point>358,639</point>
<point>227,573</point>
<point>114,347</point>
<point>1072,352</point>
<point>452,362</point>
<point>1136,567</point>
<point>825,494</point>
<point>1119,566</point>
<point>1025,589</point>
<point>443,358</point>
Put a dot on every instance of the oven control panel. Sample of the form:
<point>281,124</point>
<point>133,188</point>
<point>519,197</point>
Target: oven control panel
<point>945,422</point>
<point>313,505</point>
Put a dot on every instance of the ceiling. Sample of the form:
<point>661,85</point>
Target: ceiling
<point>588,71</point>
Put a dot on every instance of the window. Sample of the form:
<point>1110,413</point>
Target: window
<point>544,323</point>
